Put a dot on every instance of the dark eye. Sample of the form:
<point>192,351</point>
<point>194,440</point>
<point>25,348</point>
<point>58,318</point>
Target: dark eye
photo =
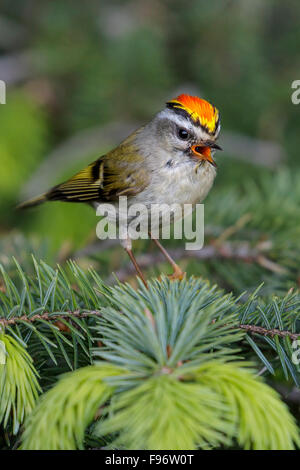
<point>183,134</point>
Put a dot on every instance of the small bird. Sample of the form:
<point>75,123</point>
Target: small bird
<point>168,160</point>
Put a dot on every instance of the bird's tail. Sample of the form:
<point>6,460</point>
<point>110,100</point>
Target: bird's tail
<point>36,201</point>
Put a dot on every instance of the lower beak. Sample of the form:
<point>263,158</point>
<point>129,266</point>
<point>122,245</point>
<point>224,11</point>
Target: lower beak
<point>204,153</point>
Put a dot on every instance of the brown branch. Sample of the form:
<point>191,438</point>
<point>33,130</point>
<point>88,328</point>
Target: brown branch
<point>254,329</point>
<point>48,317</point>
<point>229,231</point>
<point>239,252</point>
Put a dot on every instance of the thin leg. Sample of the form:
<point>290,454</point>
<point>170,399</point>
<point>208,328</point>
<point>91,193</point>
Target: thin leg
<point>177,273</point>
<point>137,268</point>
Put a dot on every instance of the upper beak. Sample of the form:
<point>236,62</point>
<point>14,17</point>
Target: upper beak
<point>215,147</point>
<point>204,153</point>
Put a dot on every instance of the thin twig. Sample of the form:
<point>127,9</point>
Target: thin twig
<point>48,317</point>
<point>229,231</point>
<point>240,252</point>
<point>262,371</point>
<point>254,329</point>
<point>269,332</point>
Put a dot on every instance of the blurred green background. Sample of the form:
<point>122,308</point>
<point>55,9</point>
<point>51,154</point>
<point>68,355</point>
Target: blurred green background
<point>80,77</point>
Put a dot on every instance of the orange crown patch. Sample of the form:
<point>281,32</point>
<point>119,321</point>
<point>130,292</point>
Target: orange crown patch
<point>199,110</point>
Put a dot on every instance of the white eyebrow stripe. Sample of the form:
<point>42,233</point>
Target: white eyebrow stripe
<point>181,121</point>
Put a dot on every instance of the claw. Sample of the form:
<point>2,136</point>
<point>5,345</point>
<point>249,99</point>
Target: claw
<point>177,274</point>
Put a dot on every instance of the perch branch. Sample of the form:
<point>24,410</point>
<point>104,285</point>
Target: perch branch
<point>48,317</point>
<point>238,252</point>
<point>254,329</point>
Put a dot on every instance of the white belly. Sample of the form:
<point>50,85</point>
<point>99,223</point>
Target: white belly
<point>181,185</point>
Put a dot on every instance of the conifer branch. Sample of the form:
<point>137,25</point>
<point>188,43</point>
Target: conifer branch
<point>254,329</point>
<point>48,316</point>
<point>172,326</point>
<point>241,251</point>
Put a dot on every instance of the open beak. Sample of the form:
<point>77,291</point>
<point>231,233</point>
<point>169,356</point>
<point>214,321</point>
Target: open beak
<point>203,153</point>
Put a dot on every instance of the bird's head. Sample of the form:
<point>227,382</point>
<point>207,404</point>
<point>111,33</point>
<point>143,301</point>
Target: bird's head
<point>189,127</point>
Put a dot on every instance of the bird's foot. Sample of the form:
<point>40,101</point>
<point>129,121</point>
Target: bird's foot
<point>178,274</point>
